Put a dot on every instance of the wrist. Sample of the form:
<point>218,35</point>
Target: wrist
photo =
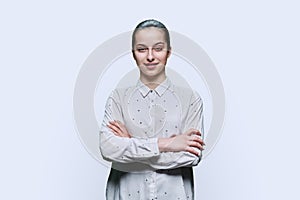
<point>162,144</point>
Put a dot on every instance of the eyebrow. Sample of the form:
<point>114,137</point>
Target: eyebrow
<point>153,45</point>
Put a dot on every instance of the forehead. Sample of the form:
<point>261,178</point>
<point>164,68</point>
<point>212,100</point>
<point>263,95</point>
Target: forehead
<point>149,36</point>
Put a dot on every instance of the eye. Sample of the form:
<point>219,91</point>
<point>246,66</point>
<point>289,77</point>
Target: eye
<point>141,50</point>
<point>158,49</point>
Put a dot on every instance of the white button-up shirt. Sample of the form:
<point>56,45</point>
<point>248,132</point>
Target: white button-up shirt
<point>139,170</point>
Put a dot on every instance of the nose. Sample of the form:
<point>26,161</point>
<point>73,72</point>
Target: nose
<point>150,57</point>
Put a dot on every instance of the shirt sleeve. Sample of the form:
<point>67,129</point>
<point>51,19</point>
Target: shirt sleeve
<point>193,119</point>
<point>129,150</point>
<point>119,149</point>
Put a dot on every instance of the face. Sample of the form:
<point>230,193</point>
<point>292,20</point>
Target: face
<point>150,52</point>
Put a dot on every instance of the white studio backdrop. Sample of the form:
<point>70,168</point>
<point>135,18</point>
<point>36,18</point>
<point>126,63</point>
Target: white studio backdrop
<point>254,45</point>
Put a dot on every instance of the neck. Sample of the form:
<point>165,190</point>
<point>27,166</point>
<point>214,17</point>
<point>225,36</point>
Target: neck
<point>153,82</point>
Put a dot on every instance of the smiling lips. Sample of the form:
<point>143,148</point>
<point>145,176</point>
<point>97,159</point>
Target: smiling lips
<point>151,65</point>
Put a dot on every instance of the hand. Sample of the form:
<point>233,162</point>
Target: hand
<point>189,141</point>
<point>118,128</point>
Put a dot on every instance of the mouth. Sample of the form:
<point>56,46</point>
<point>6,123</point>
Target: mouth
<point>150,65</point>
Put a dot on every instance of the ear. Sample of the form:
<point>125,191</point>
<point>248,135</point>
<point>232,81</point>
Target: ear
<point>133,54</point>
<point>169,52</point>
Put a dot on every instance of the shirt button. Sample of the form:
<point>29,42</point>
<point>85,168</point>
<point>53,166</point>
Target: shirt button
<point>151,91</point>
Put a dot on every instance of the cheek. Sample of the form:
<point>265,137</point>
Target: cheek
<point>138,57</point>
<point>162,56</point>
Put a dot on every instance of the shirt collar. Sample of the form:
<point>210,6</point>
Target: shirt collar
<point>160,89</point>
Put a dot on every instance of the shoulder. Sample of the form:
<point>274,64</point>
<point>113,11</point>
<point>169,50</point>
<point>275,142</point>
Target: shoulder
<point>122,92</point>
<point>186,93</point>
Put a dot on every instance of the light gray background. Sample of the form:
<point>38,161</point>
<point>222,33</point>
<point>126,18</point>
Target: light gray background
<point>254,44</point>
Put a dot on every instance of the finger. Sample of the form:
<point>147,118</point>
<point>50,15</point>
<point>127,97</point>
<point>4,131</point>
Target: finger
<point>196,144</point>
<point>114,129</point>
<point>117,126</point>
<point>196,132</point>
<point>114,123</point>
<point>123,128</point>
<point>197,139</point>
<point>117,122</point>
<point>193,131</point>
<point>193,151</point>
<point>119,131</point>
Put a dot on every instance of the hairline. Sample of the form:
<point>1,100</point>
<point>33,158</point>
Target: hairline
<point>164,30</point>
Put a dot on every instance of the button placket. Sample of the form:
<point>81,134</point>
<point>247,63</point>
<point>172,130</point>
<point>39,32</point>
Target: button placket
<point>152,103</point>
<point>152,185</point>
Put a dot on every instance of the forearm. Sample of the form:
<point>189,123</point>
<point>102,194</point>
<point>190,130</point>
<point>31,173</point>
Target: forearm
<point>171,160</point>
<point>170,157</point>
<point>134,150</point>
<point>125,150</point>
<point>117,145</point>
<point>152,152</point>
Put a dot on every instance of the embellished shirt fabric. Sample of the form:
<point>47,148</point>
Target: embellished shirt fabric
<point>139,170</point>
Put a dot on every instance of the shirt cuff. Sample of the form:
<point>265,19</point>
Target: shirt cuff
<point>151,145</point>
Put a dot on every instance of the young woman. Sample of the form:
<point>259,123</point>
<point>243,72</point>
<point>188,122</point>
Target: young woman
<point>151,131</point>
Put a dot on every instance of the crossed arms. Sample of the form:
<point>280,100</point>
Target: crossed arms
<point>181,150</point>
